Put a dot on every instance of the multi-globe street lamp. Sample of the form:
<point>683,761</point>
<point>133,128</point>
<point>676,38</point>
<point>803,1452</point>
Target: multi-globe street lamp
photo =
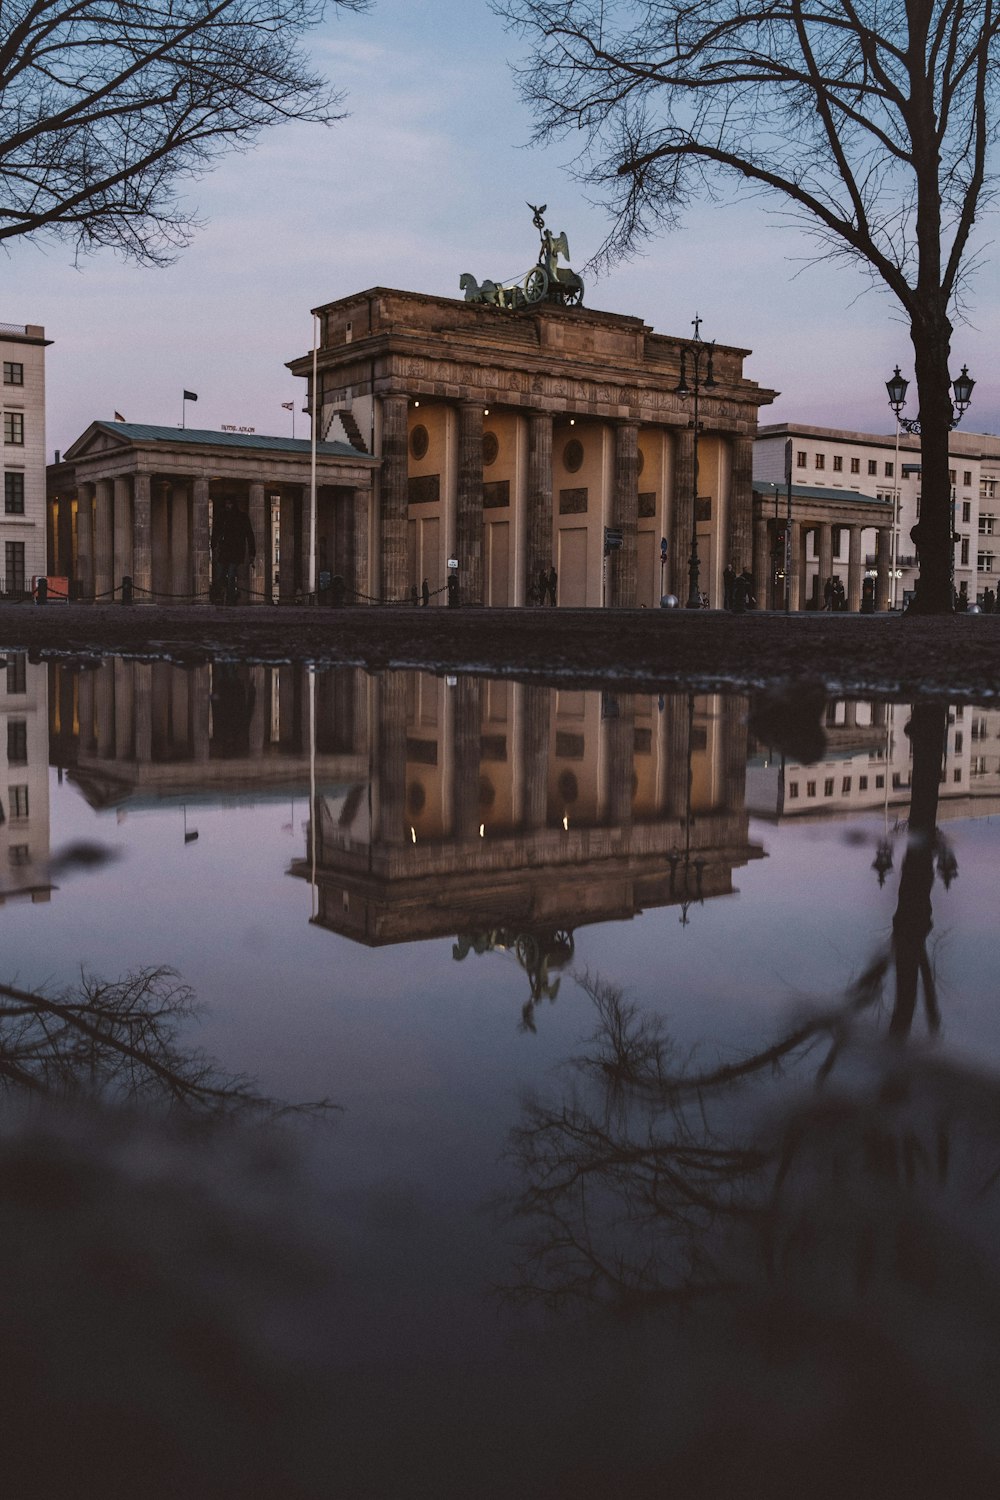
<point>896,386</point>
<point>693,354</point>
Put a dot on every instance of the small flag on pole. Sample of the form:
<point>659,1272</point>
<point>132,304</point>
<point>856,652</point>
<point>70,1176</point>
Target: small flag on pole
<point>190,396</point>
<point>119,417</point>
<point>288,406</point>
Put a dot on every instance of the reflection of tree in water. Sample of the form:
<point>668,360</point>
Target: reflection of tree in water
<point>163,1279</point>
<point>538,952</point>
<point>119,1042</point>
<point>833,1189</point>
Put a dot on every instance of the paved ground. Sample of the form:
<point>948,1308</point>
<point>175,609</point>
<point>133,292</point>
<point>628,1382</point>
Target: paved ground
<point>957,656</point>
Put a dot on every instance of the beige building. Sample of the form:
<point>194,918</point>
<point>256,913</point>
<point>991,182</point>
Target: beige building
<point>845,471</point>
<point>24,779</point>
<point>22,456</point>
<point>137,502</point>
<point>512,442</point>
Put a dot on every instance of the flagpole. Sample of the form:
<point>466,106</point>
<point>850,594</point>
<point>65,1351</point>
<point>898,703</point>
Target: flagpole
<point>183,410</point>
<point>314,404</point>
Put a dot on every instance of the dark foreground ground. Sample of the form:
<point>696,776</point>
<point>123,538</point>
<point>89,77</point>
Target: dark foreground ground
<point>955,657</point>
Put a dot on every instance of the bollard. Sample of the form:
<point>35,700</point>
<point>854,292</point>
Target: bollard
<point>127,589</point>
<point>41,591</point>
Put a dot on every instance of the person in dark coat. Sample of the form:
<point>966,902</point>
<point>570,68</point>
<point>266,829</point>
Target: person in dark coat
<point>425,593</point>
<point>232,544</point>
<point>552,584</point>
<point>743,598</point>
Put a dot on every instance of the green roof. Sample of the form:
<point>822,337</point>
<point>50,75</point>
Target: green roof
<point>815,492</point>
<point>142,432</point>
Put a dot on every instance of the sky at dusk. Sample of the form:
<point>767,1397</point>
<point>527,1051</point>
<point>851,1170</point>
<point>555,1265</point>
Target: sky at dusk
<point>428,177</point>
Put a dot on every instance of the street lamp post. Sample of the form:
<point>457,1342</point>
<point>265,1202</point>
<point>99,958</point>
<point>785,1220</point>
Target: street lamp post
<point>696,351</point>
<point>896,387</point>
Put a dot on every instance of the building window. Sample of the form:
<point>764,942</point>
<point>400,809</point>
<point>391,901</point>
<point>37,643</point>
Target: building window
<point>977,766</point>
<point>13,494</point>
<point>956,775</point>
<point>984,562</point>
<point>17,742</point>
<point>879,782</point>
<point>13,428</point>
<point>793,789</point>
<point>967,512</point>
<point>959,742</point>
<point>19,854</point>
<point>810,788</point>
<point>800,459</point>
<point>838,464</point>
<point>889,469</point>
<point>820,461</point>
<point>18,801</point>
<point>862,783</point>
<point>828,787</point>
<point>967,478</point>
<point>13,373</point>
<point>873,466</point>
<point>986,523</point>
<point>845,786</point>
<point>965,552</point>
<point>987,489</point>
<point>17,673</point>
<point>13,557</point>
<point>855,466</point>
<point>951,477</point>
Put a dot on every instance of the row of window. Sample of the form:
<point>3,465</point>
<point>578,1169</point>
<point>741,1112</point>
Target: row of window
<point>13,428</point>
<point>13,372</point>
<point>13,560</point>
<point>17,742</point>
<point>888,468</point>
<point>829,783</point>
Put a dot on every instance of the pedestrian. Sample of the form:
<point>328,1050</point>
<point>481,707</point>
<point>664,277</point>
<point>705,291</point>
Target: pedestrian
<point>232,544</point>
<point>962,601</point>
<point>413,594</point>
<point>425,591</point>
<point>743,598</point>
<point>868,596</point>
<point>543,584</point>
<point>839,597</point>
<point>552,584</point>
<point>452,591</point>
<point>728,579</point>
<point>828,593</point>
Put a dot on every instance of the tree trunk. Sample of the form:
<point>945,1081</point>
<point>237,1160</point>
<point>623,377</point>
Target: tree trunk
<point>934,594</point>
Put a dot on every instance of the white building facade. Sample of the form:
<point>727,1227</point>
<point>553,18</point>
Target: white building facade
<point>22,457</point>
<point>887,468</point>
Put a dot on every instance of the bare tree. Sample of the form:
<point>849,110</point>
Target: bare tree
<point>873,123</point>
<point>108,106</point>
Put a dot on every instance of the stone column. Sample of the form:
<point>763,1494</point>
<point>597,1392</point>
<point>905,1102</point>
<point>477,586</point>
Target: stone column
<point>124,708</point>
<point>122,504</point>
<point>64,534</point>
<point>469,517</point>
<point>142,535</point>
<point>883,536</point>
<point>259,523</point>
<point>467,718</point>
<point>854,568</point>
<point>104,691</point>
<point>180,542</point>
<point>825,556</point>
<point>287,562</point>
<point>201,552</point>
<point>394,497</point>
<point>305,538</point>
<point>620,747</point>
<point>623,565</point>
<point>675,778</point>
<point>733,731</point>
<point>681,513</point>
<point>535,712</point>
<point>390,691</point>
<point>143,712</point>
<point>539,517</point>
<point>85,540</point>
<point>741,502</point>
<point>103,538</point>
<point>793,583</point>
<point>258,714</point>
<point>201,739</point>
<point>361,580</point>
<point>763,564</point>
<point>804,568</point>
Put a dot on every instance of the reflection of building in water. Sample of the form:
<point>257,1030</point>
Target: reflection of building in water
<point>24,779</point>
<point>869,762</point>
<point>137,733</point>
<point>510,815</point>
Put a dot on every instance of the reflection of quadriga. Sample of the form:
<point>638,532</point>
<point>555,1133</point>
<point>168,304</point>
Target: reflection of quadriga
<point>546,281</point>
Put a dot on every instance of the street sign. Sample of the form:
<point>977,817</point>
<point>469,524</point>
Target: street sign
<point>613,539</point>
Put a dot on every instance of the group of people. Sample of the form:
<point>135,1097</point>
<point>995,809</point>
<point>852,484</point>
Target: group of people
<point>834,597</point>
<point>737,590</point>
<point>543,589</point>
